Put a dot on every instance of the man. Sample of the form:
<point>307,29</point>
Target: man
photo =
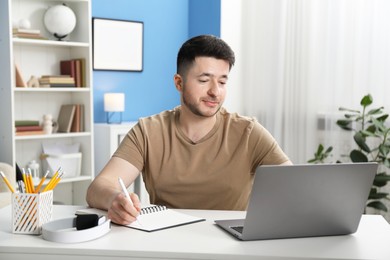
<point>195,156</point>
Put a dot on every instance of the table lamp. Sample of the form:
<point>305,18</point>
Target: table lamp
<point>113,103</point>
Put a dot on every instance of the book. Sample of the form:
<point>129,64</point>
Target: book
<point>65,118</point>
<point>30,31</point>
<point>57,85</point>
<point>28,128</point>
<point>68,67</point>
<point>56,80</point>
<point>153,218</point>
<point>29,36</point>
<point>77,80</point>
<point>76,120</point>
<point>26,123</point>
<point>83,73</point>
<point>29,133</point>
<point>76,69</point>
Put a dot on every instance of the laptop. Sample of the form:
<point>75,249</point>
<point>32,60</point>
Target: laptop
<point>310,200</point>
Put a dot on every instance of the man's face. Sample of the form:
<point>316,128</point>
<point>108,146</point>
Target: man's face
<point>204,86</point>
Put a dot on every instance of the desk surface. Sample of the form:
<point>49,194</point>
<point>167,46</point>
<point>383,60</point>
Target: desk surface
<point>203,240</point>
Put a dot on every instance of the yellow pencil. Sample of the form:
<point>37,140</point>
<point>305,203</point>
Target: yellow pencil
<point>7,182</point>
<point>57,181</point>
<point>41,182</point>
<point>25,180</point>
<point>51,182</point>
<point>30,181</point>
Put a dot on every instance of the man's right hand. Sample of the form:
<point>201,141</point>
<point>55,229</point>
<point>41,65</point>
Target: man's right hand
<point>122,211</point>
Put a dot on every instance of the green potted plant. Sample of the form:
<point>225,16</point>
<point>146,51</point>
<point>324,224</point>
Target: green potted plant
<point>372,139</point>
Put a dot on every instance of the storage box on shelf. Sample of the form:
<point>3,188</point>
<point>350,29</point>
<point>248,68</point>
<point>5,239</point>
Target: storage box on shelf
<point>37,58</point>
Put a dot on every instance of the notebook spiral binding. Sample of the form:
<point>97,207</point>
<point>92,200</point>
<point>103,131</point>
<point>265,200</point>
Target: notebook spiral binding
<point>152,209</point>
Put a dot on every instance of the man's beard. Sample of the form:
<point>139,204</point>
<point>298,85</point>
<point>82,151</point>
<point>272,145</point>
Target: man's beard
<point>194,108</point>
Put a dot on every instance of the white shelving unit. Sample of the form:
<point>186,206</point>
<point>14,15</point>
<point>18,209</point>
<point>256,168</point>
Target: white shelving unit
<point>110,136</point>
<point>37,58</point>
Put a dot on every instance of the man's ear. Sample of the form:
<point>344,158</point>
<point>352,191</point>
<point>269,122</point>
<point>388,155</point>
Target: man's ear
<point>178,82</point>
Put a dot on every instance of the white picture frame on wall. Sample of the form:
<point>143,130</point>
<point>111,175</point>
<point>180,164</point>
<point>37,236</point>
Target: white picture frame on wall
<point>117,44</point>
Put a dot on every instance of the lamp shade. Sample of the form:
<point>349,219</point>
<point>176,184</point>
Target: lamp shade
<point>114,102</point>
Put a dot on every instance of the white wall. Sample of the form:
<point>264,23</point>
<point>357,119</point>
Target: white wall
<point>231,28</point>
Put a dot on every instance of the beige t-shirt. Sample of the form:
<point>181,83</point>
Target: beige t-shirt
<point>214,173</point>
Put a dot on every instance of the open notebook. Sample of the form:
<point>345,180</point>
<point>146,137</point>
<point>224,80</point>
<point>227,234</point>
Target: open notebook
<point>153,217</point>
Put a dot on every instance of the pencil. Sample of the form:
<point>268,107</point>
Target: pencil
<point>30,180</point>
<point>25,180</point>
<point>7,182</point>
<point>57,181</point>
<point>41,182</point>
<point>51,182</point>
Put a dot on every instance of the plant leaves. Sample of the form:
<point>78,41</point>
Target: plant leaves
<point>381,179</point>
<point>366,100</point>
<point>377,205</point>
<point>384,150</point>
<point>371,129</point>
<point>344,124</point>
<point>358,156</point>
<point>379,124</point>
<point>361,142</point>
<point>382,118</point>
<point>319,149</point>
<point>379,195</point>
<point>386,163</point>
<point>330,149</point>
<point>368,133</point>
<point>349,110</point>
<point>375,111</point>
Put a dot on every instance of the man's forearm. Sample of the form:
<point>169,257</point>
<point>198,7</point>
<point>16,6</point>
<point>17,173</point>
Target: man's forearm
<point>100,194</point>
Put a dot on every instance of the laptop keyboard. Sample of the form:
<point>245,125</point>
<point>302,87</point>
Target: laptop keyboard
<point>238,228</point>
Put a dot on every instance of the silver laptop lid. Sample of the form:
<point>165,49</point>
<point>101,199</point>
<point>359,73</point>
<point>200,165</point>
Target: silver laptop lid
<point>307,200</point>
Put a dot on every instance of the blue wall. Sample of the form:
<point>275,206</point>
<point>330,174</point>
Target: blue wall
<point>204,17</point>
<point>167,24</point>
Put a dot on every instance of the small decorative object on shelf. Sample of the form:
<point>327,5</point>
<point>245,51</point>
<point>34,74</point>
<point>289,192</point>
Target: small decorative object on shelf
<point>48,123</point>
<point>33,82</point>
<point>24,23</point>
<point>60,21</point>
<point>33,166</point>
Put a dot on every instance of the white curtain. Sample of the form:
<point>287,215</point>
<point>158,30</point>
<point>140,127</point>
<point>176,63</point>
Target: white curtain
<point>303,59</point>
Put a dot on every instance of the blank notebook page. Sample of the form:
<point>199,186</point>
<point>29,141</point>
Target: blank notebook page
<point>153,217</point>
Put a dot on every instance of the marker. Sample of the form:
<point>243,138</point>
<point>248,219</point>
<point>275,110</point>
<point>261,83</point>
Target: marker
<point>126,194</point>
<point>7,182</point>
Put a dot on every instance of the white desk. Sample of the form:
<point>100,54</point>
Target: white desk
<point>201,240</point>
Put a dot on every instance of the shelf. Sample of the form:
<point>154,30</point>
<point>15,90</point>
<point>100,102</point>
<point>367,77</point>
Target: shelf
<point>52,136</point>
<point>83,89</point>
<point>75,179</point>
<point>32,42</point>
<point>68,180</point>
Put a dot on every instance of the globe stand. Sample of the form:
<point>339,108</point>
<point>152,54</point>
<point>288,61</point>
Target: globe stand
<point>60,37</point>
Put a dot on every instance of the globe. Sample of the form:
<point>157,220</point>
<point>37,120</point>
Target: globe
<point>60,21</point>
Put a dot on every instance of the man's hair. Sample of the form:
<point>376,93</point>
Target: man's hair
<point>203,46</point>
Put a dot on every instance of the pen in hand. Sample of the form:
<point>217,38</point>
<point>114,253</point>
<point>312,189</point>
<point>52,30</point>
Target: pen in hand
<point>126,194</point>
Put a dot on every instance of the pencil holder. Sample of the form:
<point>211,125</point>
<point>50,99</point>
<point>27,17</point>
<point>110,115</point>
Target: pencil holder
<point>30,211</point>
